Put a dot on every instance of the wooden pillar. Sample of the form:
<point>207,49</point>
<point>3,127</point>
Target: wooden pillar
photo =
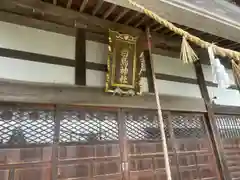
<point>80,57</point>
<point>216,144</point>
<point>149,71</point>
<point>55,148</point>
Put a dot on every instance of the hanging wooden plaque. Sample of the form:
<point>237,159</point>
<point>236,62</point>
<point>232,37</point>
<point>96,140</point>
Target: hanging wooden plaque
<point>123,67</point>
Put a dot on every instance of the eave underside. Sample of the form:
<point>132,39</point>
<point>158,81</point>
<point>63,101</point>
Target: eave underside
<point>98,16</point>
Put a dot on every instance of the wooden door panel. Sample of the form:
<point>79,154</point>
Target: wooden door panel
<point>142,175</point>
<point>89,144</point>
<point>82,170</point>
<point>4,174</point>
<point>228,128</point>
<point>196,159</point>
<point>145,153</point>
<point>33,173</point>
<point>26,136</point>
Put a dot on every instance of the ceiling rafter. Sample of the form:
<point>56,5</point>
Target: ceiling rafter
<point>69,4</point>
<point>233,45</point>
<point>109,11</point>
<point>143,19</point>
<point>67,17</point>
<point>133,17</point>
<point>154,23</point>
<point>165,31</point>
<point>220,41</point>
<point>158,28</point>
<point>174,34</point>
<point>97,7</point>
<point>120,15</point>
<point>83,5</point>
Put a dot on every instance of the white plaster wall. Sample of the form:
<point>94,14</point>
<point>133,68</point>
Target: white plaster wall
<point>173,66</point>
<point>16,69</point>
<point>95,78</point>
<point>48,43</point>
<point>97,53</point>
<point>33,40</point>
<point>229,97</point>
<point>208,73</point>
<point>178,89</point>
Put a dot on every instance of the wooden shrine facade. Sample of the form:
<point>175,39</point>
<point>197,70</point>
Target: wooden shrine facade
<point>44,141</point>
<point>54,132</point>
<point>76,142</point>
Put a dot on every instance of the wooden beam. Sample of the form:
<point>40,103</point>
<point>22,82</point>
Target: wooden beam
<point>148,71</point>
<point>74,19</point>
<point>158,28</point>
<point>233,45</point>
<point>226,110</point>
<point>141,21</point>
<point>213,131</point>
<point>55,146</point>
<point>109,11</point>
<point>80,58</point>
<point>133,17</point>
<point>65,16</point>
<point>69,4</point>
<point>97,7</point>
<point>34,57</point>
<point>15,91</point>
<point>35,23</point>
<point>165,31</point>
<point>70,31</point>
<point>153,24</point>
<point>188,16</point>
<point>123,13</point>
<point>83,5</point>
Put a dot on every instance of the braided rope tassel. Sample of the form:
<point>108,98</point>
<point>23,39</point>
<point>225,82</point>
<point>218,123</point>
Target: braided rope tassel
<point>236,72</point>
<point>187,54</point>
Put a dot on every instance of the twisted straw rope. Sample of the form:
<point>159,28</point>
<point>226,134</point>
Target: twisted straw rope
<point>196,40</point>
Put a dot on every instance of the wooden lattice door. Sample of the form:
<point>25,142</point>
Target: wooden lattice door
<point>42,142</point>
<point>89,145</point>
<point>228,129</point>
<point>196,158</point>
<point>26,138</point>
<point>45,142</point>
<point>189,145</point>
<point>144,146</point>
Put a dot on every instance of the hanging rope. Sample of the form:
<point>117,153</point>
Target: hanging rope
<point>159,111</point>
<point>196,40</point>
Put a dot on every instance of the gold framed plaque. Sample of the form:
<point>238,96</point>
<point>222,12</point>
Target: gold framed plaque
<point>123,72</point>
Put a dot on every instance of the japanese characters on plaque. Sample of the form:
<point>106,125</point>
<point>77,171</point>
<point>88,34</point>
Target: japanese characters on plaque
<point>124,65</point>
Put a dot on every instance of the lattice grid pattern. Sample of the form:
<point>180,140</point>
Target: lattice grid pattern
<point>26,127</point>
<point>188,126</point>
<point>83,126</point>
<point>228,126</point>
<point>144,126</point>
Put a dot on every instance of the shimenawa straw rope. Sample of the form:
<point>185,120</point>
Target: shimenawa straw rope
<point>187,54</point>
<point>196,40</point>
